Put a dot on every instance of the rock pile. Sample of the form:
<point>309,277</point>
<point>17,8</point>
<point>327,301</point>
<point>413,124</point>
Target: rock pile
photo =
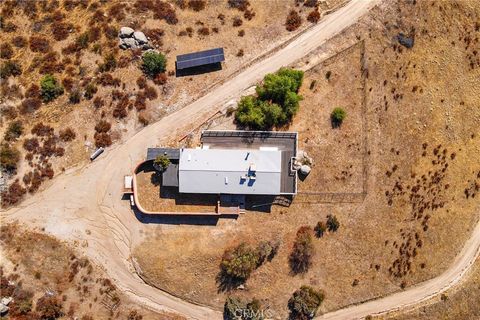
<point>131,39</point>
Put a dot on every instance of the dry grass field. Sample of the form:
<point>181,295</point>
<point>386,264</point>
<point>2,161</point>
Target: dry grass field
<point>77,42</point>
<point>34,265</point>
<point>459,303</point>
<point>413,150</point>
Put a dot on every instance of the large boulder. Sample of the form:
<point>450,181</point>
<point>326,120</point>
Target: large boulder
<point>127,43</point>
<point>140,37</point>
<point>126,32</point>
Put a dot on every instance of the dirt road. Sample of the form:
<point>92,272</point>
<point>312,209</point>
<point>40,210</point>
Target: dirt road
<point>85,204</point>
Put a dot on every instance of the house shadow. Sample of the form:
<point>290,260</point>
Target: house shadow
<point>176,219</point>
<point>198,70</point>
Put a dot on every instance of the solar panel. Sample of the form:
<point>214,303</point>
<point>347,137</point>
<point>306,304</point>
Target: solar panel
<point>200,58</point>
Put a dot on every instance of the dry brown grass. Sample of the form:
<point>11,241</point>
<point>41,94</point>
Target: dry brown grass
<point>402,231</point>
<point>80,286</point>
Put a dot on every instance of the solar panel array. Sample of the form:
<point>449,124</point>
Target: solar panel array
<point>200,58</point>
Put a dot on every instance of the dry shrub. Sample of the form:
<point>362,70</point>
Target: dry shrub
<point>94,33</point>
<point>203,31</point>
<point>33,91</point>
<point>110,32</point>
<point>314,16</point>
<point>13,195</point>
<point>155,36</point>
<point>310,3</point>
<point>140,101</point>
<point>161,10</point>
<point>241,33</point>
<point>294,21</point>
<point>10,68</point>
<point>106,79</point>
<point>142,82</point>
<point>102,140</point>
<point>303,250</point>
<point>120,112</point>
<point>19,41</point>
<point>160,79</point>
<point>49,307</point>
<point>39,44</point>
<point>98,102</point>
<point>67,83</point>
<point>30,105</point>
<point>49,147</point>
<point>49,64</point>
<point>123,62</point>
<point>143,119</point>
<point>61,30</point>
<point>9,157</point>
<point>102,126</point>
<point>182,4</point>
<point>151,93</point>
<point>9,112</point>
<point>67,134</point>
<point>42,130</point>
<point>197,5</point>
<point>240,53</point>
<point>116,11</point>
<point>90,90</point>
<point>241,5</point>
<point>31,144</point>
<point>249,14</point>
<point>237,22</point>
<point>6,51</point>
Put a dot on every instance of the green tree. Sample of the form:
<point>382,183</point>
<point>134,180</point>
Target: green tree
<point>237,309</point>
<point>239,262</point>
<point>161,162</point>
<point>50,89</point>
<point>303,250</point>
<point>337,116</point>
<point>153,63</point>
<point>332,223</point>
<point>249,114</point>
<point>305,302</point>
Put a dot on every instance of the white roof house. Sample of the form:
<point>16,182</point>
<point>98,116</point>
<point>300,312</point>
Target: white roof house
<point>230,171</point>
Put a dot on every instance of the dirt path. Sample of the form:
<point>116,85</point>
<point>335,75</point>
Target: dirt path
<point>85,204</point>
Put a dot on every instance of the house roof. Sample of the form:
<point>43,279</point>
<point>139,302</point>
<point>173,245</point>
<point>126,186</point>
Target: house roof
<point>230,171</point>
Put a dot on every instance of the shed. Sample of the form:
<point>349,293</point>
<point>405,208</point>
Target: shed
<point>200,58</point>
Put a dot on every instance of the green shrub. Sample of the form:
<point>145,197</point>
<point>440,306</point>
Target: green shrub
<point>153,63</point>
<point>10,68</point>
<point>305,302</point>
<point>161,163</point>
<point>50,89</point>
<point>237,309</point>
<point>9,157</point>
<point>337,116</point>
<point>276,103</point>
<point>75,96</point>
<point>239,262</point>
<point>90,91</point>
<point>303,250</point>
<point>332,223</point>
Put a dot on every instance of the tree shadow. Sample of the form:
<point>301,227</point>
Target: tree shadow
<point>226,283</point>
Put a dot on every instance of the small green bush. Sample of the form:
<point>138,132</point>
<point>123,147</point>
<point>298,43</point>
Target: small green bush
<point>161,162</point>
<point>305,302</point>
<point>239,262</point>
<point>238,309</point>
<point>153,63</point>
<point>337,116</point>
<point>50,89</point>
